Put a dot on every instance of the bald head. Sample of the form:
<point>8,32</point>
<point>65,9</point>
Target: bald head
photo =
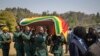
<point>27,28</point>
<point>40,29</point>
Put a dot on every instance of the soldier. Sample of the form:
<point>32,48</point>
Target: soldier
<point>0,31</point>
<point>57,45</point>
<point>40,39</point>
<point>6,39</point>
<point>33,46</point>
<point>19,46</point>
<point>26,38</point>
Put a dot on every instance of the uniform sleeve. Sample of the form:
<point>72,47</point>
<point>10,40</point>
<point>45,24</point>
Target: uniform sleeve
<point>10,36</point>
<point>0,41</point>
<point>45,36</point>
<point>62,39</point>
<point>14,37</point>
<point>1,38</point>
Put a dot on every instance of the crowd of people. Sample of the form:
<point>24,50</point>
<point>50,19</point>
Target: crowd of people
<point>31,41</point>
<point>84,43</point>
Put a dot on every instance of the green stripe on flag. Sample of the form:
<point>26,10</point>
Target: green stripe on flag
<point>54,18</point>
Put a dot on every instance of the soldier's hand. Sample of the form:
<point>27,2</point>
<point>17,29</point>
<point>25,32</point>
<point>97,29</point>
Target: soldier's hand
<point>2,42</point>
<point>8,41</point>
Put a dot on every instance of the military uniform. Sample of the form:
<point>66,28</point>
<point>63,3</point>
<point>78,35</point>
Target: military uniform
<point>57,48</point>
<point>19,46</point>
<point>0,41</point>
<point>0,31</point>
<point>6,39</point>
<point>41,48</point>
<point>32,44</point>
<point>27,43</point>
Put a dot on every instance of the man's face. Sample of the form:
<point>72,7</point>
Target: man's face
<point>5,31</point>
<point>91,30</point>
<point>17,28</point>
<point>27,28</point>
<point>41,30</point>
